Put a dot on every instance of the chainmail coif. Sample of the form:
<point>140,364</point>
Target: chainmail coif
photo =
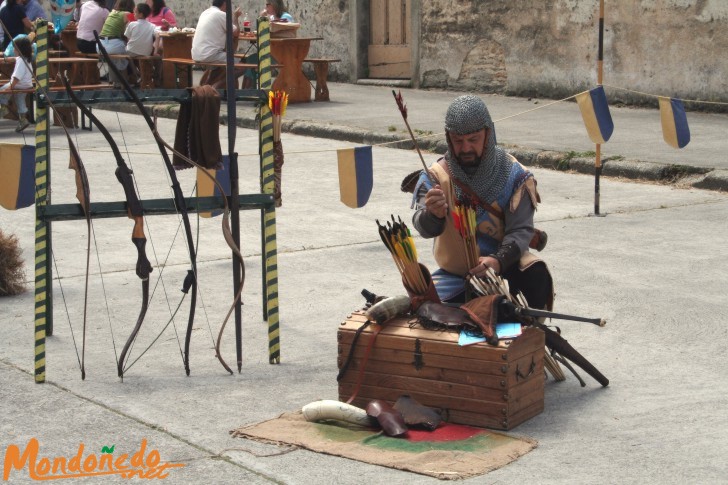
<point>468,114</point>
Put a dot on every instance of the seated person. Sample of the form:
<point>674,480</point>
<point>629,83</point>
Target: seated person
<point>208,44</point>
<point>10,51</point>
<point>22,78</point>
<point>275,10</point>
<point>162,18</point>
<point>504,192</point>
<point>91,17</point>
<point>140,34</point>
<point>112,34</point>
<point>14,20</point>
<point>34,10</point>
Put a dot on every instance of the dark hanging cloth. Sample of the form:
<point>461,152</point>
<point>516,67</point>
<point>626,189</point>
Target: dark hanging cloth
<point>197,135</point>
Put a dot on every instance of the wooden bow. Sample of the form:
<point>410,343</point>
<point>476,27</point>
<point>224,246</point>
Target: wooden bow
<point>180,202</point>
<point>135,212</point>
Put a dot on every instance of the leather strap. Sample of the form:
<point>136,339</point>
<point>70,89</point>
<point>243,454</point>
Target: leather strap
<point>493,210</point>
<point>360,376</point>
<point>350,355</point>
<point>538,241</point>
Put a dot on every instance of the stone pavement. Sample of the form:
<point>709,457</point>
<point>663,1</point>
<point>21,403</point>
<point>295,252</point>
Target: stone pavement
<point>652,267</point>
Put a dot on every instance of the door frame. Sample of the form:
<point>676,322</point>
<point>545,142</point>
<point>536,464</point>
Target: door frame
<point>359,26</point>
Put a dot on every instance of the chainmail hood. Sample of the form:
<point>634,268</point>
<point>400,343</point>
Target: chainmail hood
<point>468,114</point>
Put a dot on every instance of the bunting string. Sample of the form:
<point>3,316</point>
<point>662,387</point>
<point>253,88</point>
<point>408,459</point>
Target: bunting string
<point>356,169</point>
<point>440,134</point>
<point>697,101</point>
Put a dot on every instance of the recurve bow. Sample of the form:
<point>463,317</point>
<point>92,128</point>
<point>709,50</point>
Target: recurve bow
<point>180,202</point>
<point>135,212</point>
<point>83,194</point>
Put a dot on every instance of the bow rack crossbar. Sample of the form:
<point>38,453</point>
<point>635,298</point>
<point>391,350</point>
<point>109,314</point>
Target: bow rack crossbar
<point>152,207</point>
<point>147,96</point>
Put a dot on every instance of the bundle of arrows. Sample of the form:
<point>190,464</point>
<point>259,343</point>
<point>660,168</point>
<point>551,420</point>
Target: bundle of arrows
<point>493,284</point>
<point>464,219</point>
<point>398,239</point>
<point>277,102</point>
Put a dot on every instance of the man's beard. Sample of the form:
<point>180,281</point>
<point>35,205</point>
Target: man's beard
<point>469,162</point>
<point>468,159</point>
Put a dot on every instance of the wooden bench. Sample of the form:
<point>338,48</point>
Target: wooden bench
<point>68,115</point>
<point>90,73</point>
<point>75,68</point>
<point>29,99</point>
<point>321,69</point>
<point>146,67</point>
<point>185,67</point>
<point>65,114</point>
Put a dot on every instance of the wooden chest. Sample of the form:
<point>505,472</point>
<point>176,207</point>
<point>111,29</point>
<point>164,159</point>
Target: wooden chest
<point>479,385</point>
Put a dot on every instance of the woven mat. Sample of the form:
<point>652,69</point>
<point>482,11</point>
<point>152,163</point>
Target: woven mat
<point>450,452</point>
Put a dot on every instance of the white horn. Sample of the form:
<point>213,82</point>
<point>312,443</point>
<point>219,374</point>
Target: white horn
<point>340,411</point>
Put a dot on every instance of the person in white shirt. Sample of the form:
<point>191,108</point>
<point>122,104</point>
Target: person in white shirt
<point>92,16</point>
<point>208,44</point>
<point>140,33</point>
<point>22,78</point>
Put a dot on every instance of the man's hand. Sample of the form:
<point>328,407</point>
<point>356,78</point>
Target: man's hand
<point>485,262</point>
<point>435,202</point>
<point>237,13</point>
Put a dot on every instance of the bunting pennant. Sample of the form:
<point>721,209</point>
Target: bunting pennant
<point>675,128</point>
<point>595,112</point>
<point>17,184</point>
<point>356,176</point>
<point>206,188</point>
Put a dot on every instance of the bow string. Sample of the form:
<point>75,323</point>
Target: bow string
<point>163,146</point>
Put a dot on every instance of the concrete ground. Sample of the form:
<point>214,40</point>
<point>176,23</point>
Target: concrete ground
<point>652,267</point>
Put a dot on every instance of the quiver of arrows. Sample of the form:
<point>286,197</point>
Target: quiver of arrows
<point>415,276</point>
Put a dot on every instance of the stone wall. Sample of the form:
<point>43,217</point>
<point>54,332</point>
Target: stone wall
<point>546,48</point>
<point>549,48</point>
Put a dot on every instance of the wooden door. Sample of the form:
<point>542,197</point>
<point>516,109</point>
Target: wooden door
<point>389,39</point>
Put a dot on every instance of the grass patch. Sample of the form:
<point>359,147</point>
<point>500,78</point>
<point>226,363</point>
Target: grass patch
<point>565,163</point>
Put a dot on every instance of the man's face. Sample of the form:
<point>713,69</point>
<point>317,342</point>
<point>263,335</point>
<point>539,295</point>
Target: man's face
<point>468,149</point>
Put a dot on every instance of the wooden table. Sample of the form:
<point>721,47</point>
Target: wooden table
<point>175,45</point>
<point>291,52</point>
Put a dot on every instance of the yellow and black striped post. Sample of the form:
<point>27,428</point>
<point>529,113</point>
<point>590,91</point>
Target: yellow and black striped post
<point>268,215</point>
<point>43,275</point>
